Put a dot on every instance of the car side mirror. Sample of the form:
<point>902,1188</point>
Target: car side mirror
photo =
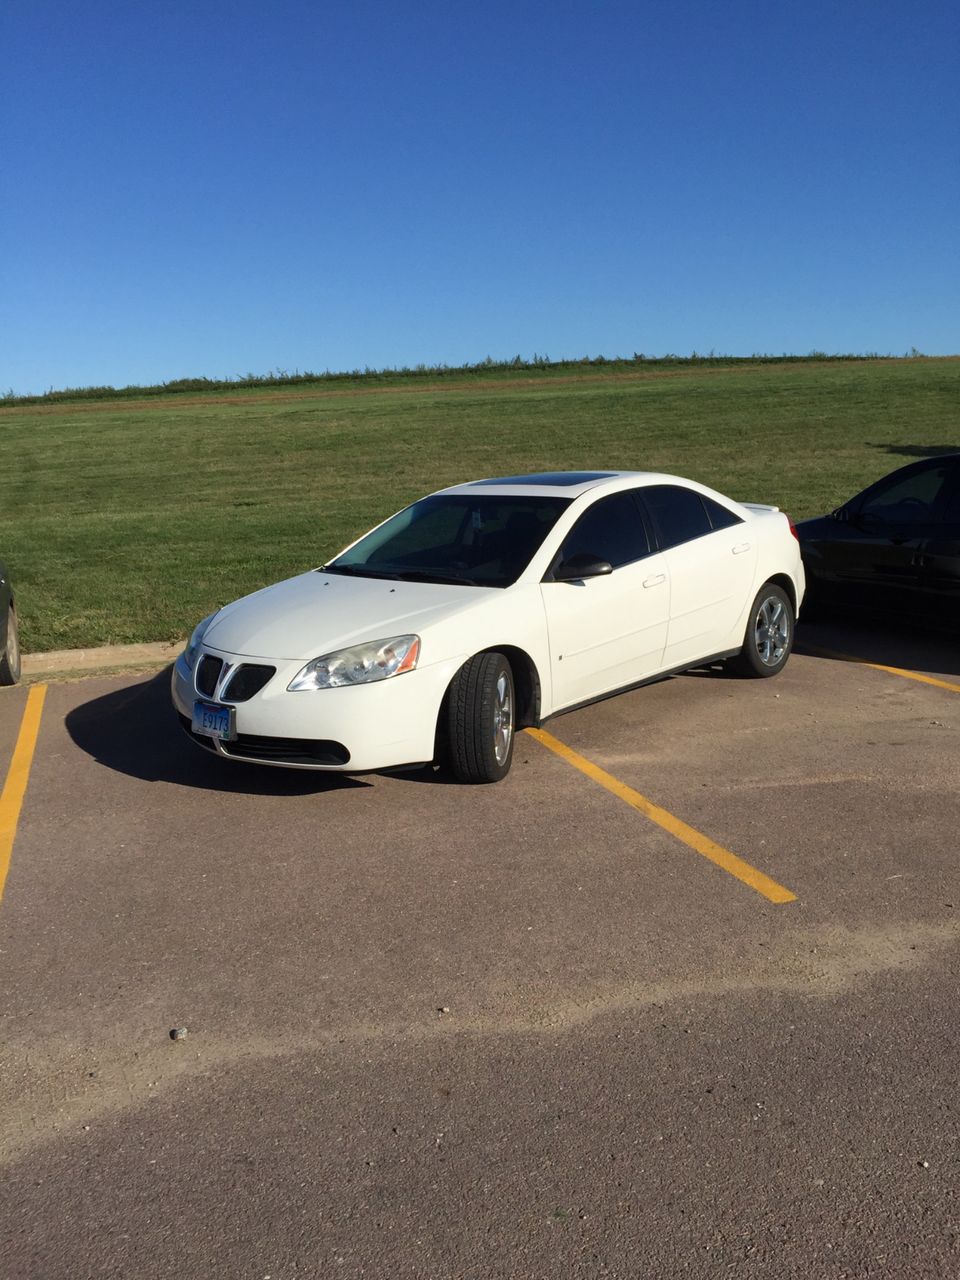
<point>851,515</point>
<point>582,565</point>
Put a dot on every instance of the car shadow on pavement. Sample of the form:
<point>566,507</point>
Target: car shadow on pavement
<point>709,671</point>
<point>134,731</point>
<point>890,644</point>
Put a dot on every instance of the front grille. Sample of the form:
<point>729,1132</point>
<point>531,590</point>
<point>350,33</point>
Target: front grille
<point>208,673</point>
<point>249,746</point>
<point>247,680</point>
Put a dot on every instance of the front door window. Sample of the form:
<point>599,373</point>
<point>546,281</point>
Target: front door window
<point>909,500</point>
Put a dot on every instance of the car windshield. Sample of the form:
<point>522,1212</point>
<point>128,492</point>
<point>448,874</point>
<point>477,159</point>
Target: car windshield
<point>477,540</point>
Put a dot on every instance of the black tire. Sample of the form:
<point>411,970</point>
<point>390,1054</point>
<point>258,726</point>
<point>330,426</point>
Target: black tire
<point>769,637</point>
<point>481,719</point>
<point>10,656</point>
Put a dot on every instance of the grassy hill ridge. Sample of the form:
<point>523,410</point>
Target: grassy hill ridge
<point>484,369</point>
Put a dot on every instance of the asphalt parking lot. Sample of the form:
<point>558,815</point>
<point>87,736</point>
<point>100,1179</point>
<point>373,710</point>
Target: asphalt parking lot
<point>539,1029</point>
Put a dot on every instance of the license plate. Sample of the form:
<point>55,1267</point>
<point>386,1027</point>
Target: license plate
<point>212,720</point>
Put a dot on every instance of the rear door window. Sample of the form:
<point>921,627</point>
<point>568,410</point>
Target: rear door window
<point>721,517</point>
<point>679,513</point>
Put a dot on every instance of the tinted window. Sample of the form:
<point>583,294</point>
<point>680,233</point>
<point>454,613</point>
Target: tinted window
<point>425,528</point>
<point>721,517</point>
<point>679,513</point>
<point>612,530</point>
<point>951,509</point>
<point>487,541</point>
<point>907,500</point>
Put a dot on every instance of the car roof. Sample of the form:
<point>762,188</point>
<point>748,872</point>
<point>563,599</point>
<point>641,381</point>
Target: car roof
<point>566,484</point>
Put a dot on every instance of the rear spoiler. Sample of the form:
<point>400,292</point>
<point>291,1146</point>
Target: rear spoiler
<point>758,506</point>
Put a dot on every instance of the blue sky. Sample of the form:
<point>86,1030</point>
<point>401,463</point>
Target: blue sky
<point>216,188</point>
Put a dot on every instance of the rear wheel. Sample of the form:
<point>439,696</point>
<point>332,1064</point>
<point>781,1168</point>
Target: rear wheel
<point>10,657</point>
<point>769,638</point>
<point>481,719</point>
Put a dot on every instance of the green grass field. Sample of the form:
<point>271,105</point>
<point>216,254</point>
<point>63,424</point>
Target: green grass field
<point>128,521</point>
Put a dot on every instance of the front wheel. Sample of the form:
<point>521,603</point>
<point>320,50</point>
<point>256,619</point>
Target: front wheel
<point>769,638</point>
<point>481,719</point>
<point>10,656</point>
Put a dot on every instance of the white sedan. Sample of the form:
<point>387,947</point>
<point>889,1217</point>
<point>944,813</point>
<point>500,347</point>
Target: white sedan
<point>487,607</point>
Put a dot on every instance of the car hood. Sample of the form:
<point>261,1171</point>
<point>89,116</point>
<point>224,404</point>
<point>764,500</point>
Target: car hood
<point>314,613</point>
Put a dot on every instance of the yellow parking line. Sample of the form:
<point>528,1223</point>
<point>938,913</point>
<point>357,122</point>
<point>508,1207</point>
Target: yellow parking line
<point>879,666</point>
<point>695,840</point>
<point>14,789</point>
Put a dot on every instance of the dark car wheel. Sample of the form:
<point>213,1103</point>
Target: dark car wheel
<point>10,657</point>
<point>480,719</point>
<point>769,638</point>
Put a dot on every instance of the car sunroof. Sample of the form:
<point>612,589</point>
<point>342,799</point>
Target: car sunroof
<point>560,479</point>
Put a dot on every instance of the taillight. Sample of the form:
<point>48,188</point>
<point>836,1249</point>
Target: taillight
<point>793,527</point>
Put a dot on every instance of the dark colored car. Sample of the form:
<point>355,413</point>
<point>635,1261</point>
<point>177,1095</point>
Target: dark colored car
<point>9,639</point>
<point>893,549</point>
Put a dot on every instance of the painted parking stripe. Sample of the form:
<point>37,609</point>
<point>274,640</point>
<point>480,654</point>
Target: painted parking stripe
<point>15,787</point>
<point>879,666</point>
<point>695,840</point>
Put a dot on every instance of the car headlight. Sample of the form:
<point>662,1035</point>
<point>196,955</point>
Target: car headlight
<point>360,664</point>
<point>193,644</point>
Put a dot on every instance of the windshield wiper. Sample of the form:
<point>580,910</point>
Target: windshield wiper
<point>401,575</point>
<point>424,575</point>
<point>358,571</point>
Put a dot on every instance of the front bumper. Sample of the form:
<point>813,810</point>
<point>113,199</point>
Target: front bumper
<point>350,730</point>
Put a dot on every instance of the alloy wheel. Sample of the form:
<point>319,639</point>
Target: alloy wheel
<point>772,631</point>
<point>502,718</point>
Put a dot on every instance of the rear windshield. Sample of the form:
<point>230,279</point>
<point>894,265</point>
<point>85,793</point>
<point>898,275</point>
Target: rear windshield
<point>474,539</point>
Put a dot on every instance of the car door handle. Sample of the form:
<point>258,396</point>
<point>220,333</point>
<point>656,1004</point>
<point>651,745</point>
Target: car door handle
<point>655,580</point>
<point>739,549</point>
